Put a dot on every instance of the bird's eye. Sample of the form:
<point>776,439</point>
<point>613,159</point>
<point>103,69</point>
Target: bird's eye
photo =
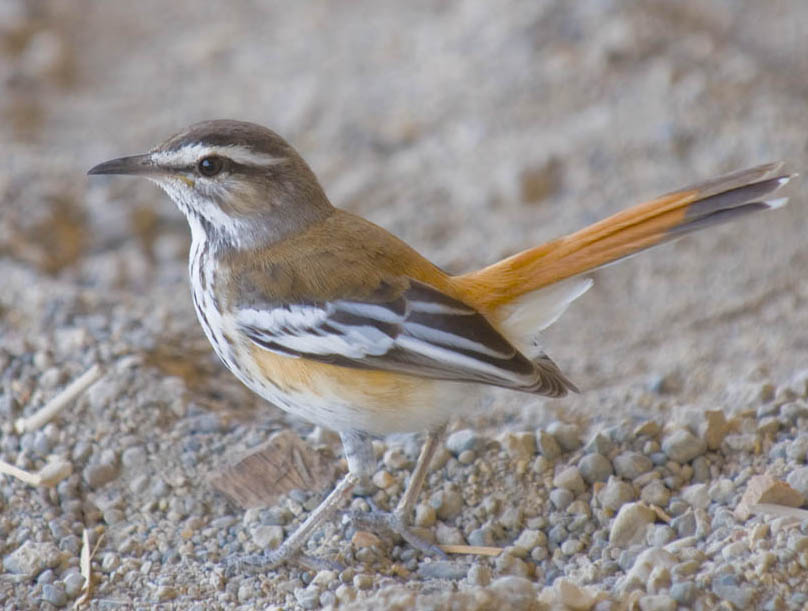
<point>210,166</point>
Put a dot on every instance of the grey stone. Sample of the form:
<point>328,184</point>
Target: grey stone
<point>448,503</point>
<point>134,457</point>
<point>727,588</point>
<point>630,465</point>
<point>74,582</point>
<point>793,411</point>
<point>798,448</point>
<point>722,490</point>
<point>308,598</point>
<point>529,539</point>
<point>682,446</point>
<point>655,493</point>
<point>600,444</point>
<point>425,515</point>
<point>98,474</point>
<point>483,536</point>
<point>595,467</point>
<point>561,498</point>
<point>615,494</point>
<point>442,569</point>
<point>547,445</point>
<point>362,581</point>
<point>465,439</point>
<point>518,445</point>
<point>658,602</point>
<point>629,525</point>
<point>570,478</point>
<point>798,479</point>
<point>267,536</point>
<point>449,535</point>
<point>697,495</point>
<point>31,558</point>
<point>567,435</point>
<point>479,575</point>
<point>516,592</point>
<point>395,459</point>
<point>54,593</point>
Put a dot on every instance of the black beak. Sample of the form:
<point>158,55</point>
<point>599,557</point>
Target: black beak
<point>134,165</point>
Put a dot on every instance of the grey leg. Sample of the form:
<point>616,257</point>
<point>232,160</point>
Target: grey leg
<point>405,506</point>
<point>398,520</point>
<point>361,464</point>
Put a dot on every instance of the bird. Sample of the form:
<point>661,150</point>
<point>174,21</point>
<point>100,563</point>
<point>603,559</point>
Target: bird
<point>337,321</point>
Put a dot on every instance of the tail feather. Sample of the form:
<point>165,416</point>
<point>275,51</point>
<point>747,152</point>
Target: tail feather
<point>623,234</point>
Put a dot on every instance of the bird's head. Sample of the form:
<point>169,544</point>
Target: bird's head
<point>239,184</point>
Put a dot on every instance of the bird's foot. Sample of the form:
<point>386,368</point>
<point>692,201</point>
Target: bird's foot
<point>270,559</point>
<point>377,519</point>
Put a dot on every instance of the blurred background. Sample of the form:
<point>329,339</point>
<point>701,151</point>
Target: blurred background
<point>470,129</point>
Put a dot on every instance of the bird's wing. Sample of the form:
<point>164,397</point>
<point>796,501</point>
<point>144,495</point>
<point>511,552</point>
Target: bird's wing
<point>418,331</point>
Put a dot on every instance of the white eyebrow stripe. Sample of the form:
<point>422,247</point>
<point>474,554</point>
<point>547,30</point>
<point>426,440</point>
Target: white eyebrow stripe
<point>189,155</point>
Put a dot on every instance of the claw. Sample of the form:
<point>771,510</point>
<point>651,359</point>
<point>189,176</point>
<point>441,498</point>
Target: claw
<point>383,520</point>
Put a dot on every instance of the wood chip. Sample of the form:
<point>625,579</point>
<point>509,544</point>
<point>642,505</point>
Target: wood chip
<point>284,463</point>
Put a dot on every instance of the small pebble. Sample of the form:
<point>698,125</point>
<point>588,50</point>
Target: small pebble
<point>466,457</point>
<point>570,478</point>
<point>442,569</point>
<point>615,494</point>
<point>629,525</point>
<point>362,581</point>
<point>448,503</point>
<point>631,465</point>
<point>74,582</point>
<point>561,498</point>
<point>798,479</point>
<point>567,435</point>
<point>54,594</point>
<point>425,515</point>
<point>449,535</point>
<point>682,446</point>
<point>518,445</point>
<point>655,493</point>
<point>697,495</point>
<point>658,602</point>
<point>465,439</point>
<point>345,593</point>
<point>395,459</point>
<point>479,575</point>
<point>31,558</point>
<point>600,444</point>
<point>595,467</point>
<point>547,445</point>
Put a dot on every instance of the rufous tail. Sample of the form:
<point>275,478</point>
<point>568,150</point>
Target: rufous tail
<point>623,234</point>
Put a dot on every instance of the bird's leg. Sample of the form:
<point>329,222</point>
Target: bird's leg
<point>398,521</point>
<point>361,463</point>
<point>405,506</point>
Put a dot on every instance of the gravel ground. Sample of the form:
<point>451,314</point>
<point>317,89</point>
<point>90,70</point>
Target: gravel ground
<point>674,480</point>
